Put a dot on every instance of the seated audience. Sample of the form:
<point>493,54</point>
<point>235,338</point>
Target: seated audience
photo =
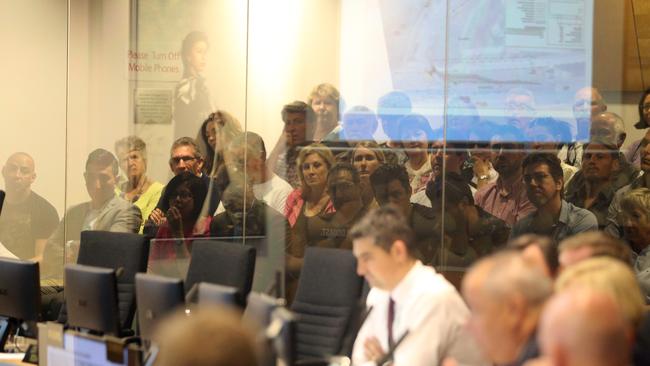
<point>594,186</point>
<point>609,127</point>
<point>206,336</point>
<point>312,198</point>
<point>587,103</point>
<point>298,118</point>
<point>584,327</point>
<point>182,203</point>
<point>482,170</point>
<point>219,128</point>
<point>139,189</point>
<point>643,181</point>
<point>392,107</point>
<point>469,231</point>
<point>506,198</point>
<point>358,124</point>
<point>246,216</point>
<point>27,219</point>
<point>105,211</point>
<point>554,216</point>
<point>247,155</point>
<point>539,251</point>
<point>366,158</point>
<point>506,296</point>
<point>635,219</point>
<point>415,133</point>
<point>449,158</point>
<point>633,152</point>
<point>549,135</point>
<point>417,317</point>
<point>185,157</point>
<point>326,102</point>
<point>592,244</point>
<point>390,184</point>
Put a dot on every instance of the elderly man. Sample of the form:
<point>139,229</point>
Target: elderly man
<point>613,226</point>
<point>592,244</point>
<point>417,317</point>
<point>506,296</point>
<point>105,211</point>
<point>635,218</point>
<point>584,327</point>
<point>246,156</point>
<point>554,217</point>
<point>506,198</point>
<point>588,103</point>
<point>27,219</point>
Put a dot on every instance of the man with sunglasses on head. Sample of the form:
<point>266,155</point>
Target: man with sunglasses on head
<point>506,198</point>
<point>555,217</point>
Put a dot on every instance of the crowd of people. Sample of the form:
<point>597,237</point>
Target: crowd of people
<point>494,197</point>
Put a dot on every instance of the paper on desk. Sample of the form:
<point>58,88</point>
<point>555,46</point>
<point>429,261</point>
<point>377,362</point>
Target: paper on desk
<point>12,356</point>
<point>6,253</point>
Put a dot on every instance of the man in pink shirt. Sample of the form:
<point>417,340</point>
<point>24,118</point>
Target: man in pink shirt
<point>506,198</point>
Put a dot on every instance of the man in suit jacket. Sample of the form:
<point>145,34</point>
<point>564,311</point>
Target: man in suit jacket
<point>105,211</point>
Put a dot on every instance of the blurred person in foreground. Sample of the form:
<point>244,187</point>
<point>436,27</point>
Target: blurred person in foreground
<point>410,302</point>
<point>584,327</point>
<point>207,336</point>
<point>506,296</point>
<point>616,279</point>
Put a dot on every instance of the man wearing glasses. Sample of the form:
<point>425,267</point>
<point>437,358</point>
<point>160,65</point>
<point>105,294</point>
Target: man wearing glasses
<point>185,156</point>
<point>554,217</point>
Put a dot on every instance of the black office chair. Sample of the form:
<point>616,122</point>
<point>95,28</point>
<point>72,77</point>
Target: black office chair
<point>224,264</point>
<point>124,252</point>
<point>327,304</point>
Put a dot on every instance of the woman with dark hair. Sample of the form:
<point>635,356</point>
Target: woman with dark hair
<point>182,202</point>
<point>192,97</point>
<point>416,134</point>
<point>216,131</point>
<point>633,152</point>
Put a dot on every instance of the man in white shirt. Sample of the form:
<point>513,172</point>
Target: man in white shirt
<point>416,316</point>
<point>247,153</point>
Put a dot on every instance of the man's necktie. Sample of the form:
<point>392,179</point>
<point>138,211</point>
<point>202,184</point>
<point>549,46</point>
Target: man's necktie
<point>391,318</point>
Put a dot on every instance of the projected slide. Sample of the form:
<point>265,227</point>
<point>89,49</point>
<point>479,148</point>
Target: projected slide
<point>486,50</point>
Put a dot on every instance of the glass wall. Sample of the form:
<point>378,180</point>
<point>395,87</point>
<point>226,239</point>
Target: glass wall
<point>278,124</point>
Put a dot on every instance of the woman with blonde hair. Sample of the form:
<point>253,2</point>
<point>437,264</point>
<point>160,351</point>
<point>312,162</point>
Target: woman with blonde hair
<point>611,276</point>
<point>311,199</point>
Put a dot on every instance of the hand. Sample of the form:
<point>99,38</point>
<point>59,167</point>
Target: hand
<point>157,216</point>
<point>175,220</point>
<point>372,349</point>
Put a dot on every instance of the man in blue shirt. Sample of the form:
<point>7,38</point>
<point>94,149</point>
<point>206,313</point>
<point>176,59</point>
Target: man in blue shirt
<point>554,216</point>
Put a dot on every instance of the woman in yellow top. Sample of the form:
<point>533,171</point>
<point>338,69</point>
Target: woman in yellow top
<point>131,152</point>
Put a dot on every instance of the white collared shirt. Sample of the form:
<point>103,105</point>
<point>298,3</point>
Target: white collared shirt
<point>431,309</point>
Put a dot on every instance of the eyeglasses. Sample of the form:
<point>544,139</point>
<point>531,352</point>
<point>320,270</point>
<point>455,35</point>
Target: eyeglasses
<point>185,159</point>
<point>537,177</point>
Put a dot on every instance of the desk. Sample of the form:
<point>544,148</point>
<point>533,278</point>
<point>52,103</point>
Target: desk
<point>12,359</point>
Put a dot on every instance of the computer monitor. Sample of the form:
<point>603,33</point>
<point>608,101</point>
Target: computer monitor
<point>91,298</point>
<point>156,296</point>
<point>20,295</point>
<point>211,293</point>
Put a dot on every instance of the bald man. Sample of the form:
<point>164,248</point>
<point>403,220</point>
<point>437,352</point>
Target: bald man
<point>27,219</point>
<point>588,102</point>
<point>505,295</point>
<point>584,327</point>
